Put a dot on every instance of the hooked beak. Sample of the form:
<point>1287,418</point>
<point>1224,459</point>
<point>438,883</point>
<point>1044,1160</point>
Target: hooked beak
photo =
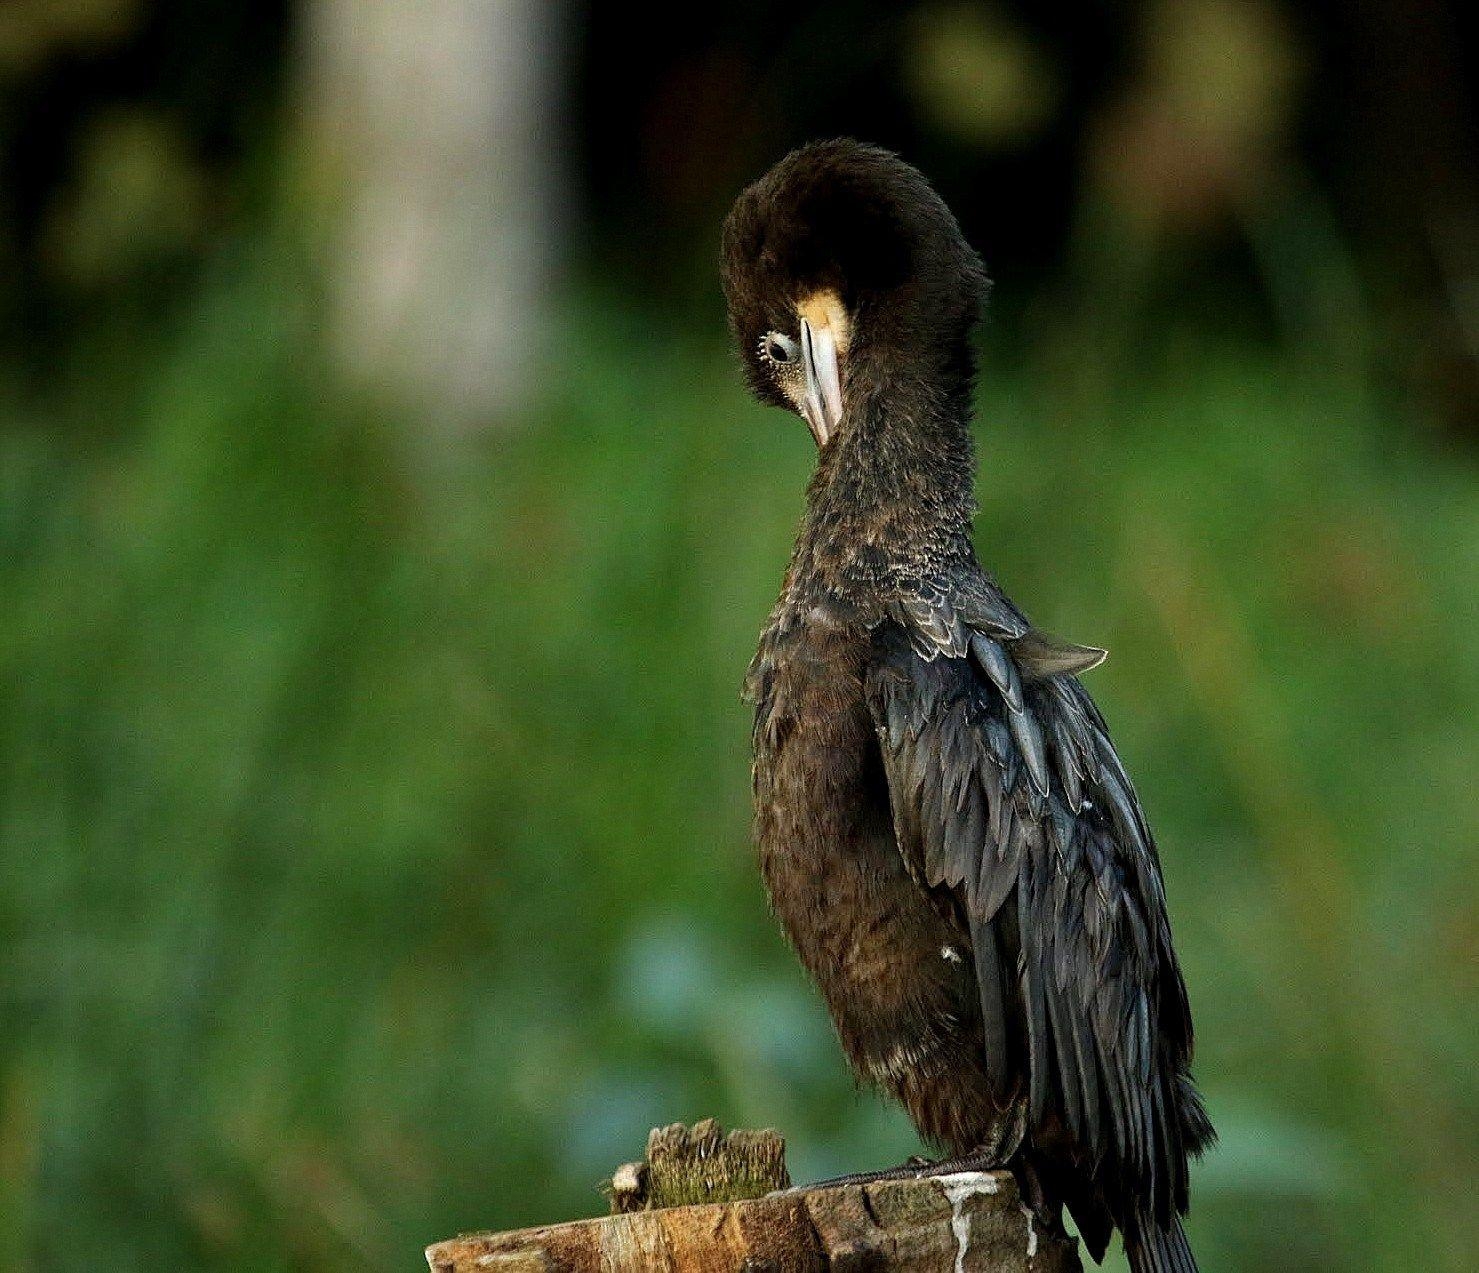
<point>822,401</point>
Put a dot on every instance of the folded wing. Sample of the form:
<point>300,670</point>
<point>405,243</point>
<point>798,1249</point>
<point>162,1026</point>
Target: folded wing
<point>1006,790</point>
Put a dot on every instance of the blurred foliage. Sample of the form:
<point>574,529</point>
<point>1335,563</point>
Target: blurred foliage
<point>374,852</point>
<point>375,842</point>
<point>978,75</point>
<point>1188,118</point>
<point>136,138</point>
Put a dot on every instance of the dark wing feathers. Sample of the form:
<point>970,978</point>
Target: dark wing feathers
<point>942,614</point>
<point>1040,656</point>
<point>998,665</point>
<point>1006,790</point>
<point>994,1025</point>
<point>1028,735</point>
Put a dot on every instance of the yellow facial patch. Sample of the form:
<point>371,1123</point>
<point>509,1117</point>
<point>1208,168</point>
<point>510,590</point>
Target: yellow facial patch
<point>824,310</point>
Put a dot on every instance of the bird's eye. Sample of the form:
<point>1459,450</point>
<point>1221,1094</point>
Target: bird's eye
<point>778,350</point>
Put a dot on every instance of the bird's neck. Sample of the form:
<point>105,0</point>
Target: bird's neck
<point>893,495</point>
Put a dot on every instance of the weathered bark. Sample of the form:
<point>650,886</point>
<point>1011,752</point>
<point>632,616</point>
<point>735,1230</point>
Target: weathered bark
<point>968,1222</point>
<point>685,1167</point>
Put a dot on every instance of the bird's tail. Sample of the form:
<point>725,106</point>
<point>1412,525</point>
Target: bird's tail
<point>1153,1249</point>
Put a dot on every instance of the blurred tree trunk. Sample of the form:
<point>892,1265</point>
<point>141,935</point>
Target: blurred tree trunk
<point>431,132</point>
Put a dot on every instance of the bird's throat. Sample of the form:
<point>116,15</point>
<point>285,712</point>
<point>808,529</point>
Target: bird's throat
<point>893,491</point>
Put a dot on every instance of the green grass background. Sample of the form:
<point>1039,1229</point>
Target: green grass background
<point>374,855</point>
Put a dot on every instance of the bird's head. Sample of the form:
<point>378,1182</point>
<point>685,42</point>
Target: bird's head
<point>843,268</point>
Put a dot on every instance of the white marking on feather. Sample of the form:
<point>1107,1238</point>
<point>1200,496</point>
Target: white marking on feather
<point>950,953</point>
<point>958,1187</point>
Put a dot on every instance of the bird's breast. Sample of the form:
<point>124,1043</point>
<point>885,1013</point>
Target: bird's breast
<point>894,972</point>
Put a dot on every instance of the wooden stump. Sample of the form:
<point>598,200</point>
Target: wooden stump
<point>969,1222</point>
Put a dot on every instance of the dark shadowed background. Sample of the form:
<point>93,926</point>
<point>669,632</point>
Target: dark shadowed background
<point>384,533</point>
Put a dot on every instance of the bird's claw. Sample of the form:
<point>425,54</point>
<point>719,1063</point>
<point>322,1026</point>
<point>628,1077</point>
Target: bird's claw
<point>912,1168</point>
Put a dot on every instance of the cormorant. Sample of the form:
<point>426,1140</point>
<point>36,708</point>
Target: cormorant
<point>948,836</point>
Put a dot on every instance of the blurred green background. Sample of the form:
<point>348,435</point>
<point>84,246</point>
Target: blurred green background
<point>384,533</point>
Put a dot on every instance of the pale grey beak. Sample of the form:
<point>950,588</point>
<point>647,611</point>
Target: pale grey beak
<point>822,403</point>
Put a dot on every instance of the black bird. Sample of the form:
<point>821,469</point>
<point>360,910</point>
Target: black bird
<point>947,834</point>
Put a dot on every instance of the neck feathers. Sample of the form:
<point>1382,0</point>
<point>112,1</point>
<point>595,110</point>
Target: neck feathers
<point>905,447</point>
<point>893,496</point>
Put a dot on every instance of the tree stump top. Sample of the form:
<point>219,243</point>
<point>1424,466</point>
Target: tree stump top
<point>968,1222</point>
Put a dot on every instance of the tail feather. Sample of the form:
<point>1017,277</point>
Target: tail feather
<point>1159,1250</point>
<point>1197,1134</point>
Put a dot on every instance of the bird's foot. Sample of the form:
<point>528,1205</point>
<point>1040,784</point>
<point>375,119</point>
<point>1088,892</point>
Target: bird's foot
<point>1047,1213</point>
<point>914,1168</point>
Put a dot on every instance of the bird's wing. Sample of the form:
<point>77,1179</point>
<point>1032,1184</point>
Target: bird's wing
<point>940,614</point>
<point>1006,790</point>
